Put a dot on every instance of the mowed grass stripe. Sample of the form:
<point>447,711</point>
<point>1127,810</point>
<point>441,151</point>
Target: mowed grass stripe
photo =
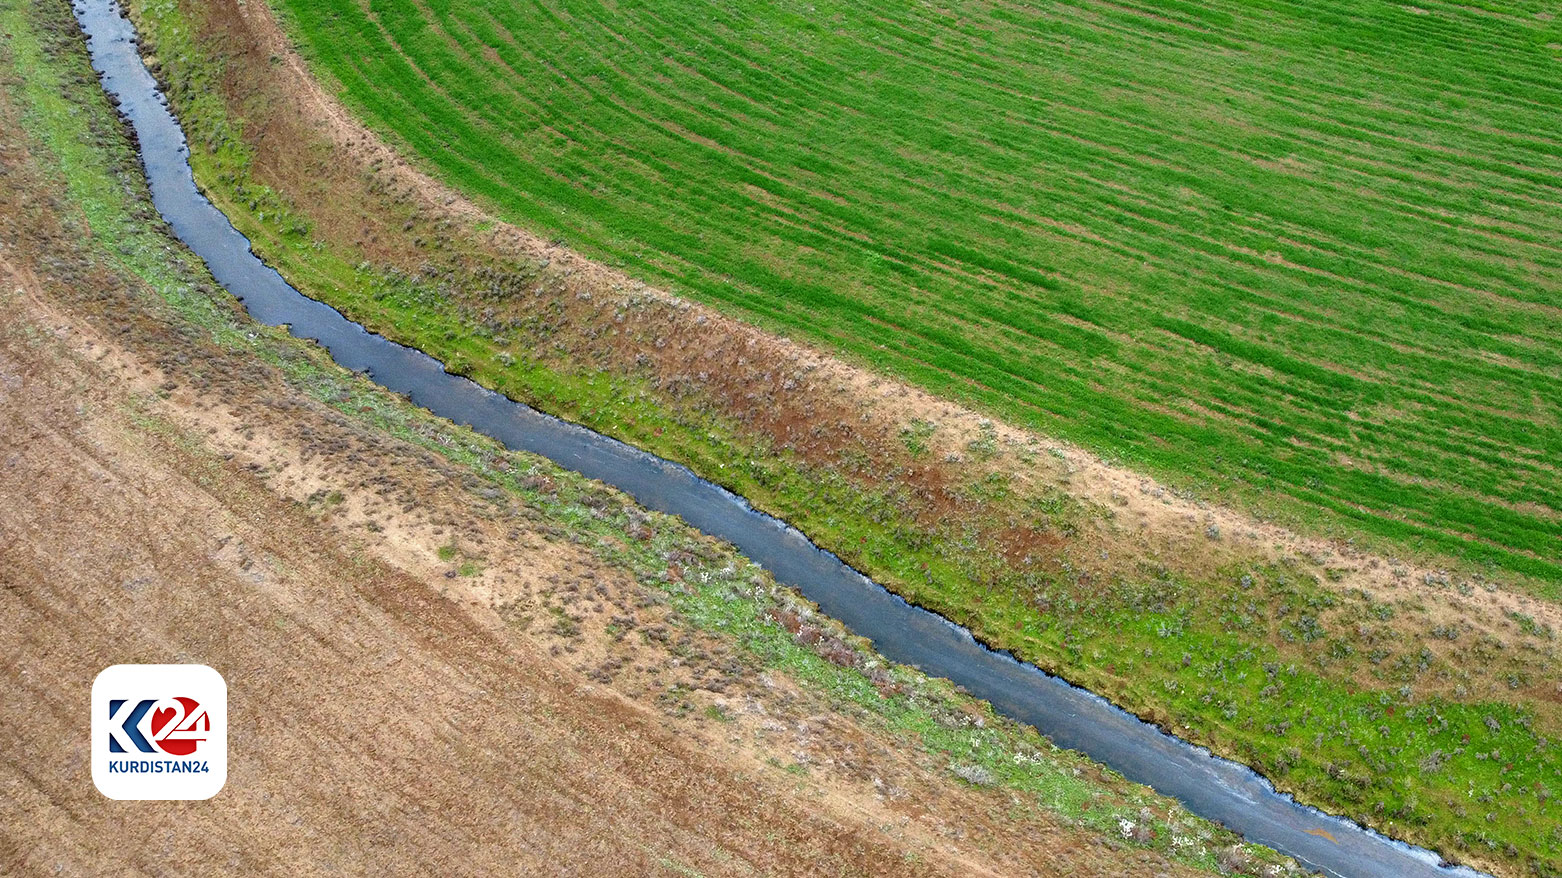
<point>1017,203</point>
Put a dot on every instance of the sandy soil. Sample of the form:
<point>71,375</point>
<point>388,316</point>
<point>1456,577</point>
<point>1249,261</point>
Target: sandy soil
<point>385,718</point>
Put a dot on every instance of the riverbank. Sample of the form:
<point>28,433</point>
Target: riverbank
<point>984,525</point>
<point>183,484</point>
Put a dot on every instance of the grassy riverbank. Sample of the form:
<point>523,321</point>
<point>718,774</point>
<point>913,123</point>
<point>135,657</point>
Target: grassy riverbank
<point>1424,711</point>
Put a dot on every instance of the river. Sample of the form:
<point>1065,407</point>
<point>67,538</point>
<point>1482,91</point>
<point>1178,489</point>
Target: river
<point>1215,788</point>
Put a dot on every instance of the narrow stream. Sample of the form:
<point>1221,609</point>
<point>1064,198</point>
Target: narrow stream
<point>1215,788</point>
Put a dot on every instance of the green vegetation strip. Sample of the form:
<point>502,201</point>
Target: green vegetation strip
<point>1300,253</point>
<point>720,592</point>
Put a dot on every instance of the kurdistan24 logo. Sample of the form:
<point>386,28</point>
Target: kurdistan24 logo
<point>173,726</point>
<point>159,732</point>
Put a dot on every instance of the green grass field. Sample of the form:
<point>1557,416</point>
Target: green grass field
<point>1273,251</point>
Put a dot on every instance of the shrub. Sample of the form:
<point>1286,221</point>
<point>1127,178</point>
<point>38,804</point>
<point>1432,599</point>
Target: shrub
<point>978,775</point>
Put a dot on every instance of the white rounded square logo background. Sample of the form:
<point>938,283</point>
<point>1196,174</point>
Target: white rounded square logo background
<point>135,683</point>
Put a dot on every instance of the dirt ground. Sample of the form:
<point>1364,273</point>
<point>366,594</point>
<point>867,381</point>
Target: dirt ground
<point>162,500</point>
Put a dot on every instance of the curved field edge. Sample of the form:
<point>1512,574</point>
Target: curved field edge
<point>108,218</point>
<point>1247,659</point>
<point>1186,240</point>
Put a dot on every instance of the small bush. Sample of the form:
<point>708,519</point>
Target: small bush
<point>1232,861</point>
<point>979,775</point>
